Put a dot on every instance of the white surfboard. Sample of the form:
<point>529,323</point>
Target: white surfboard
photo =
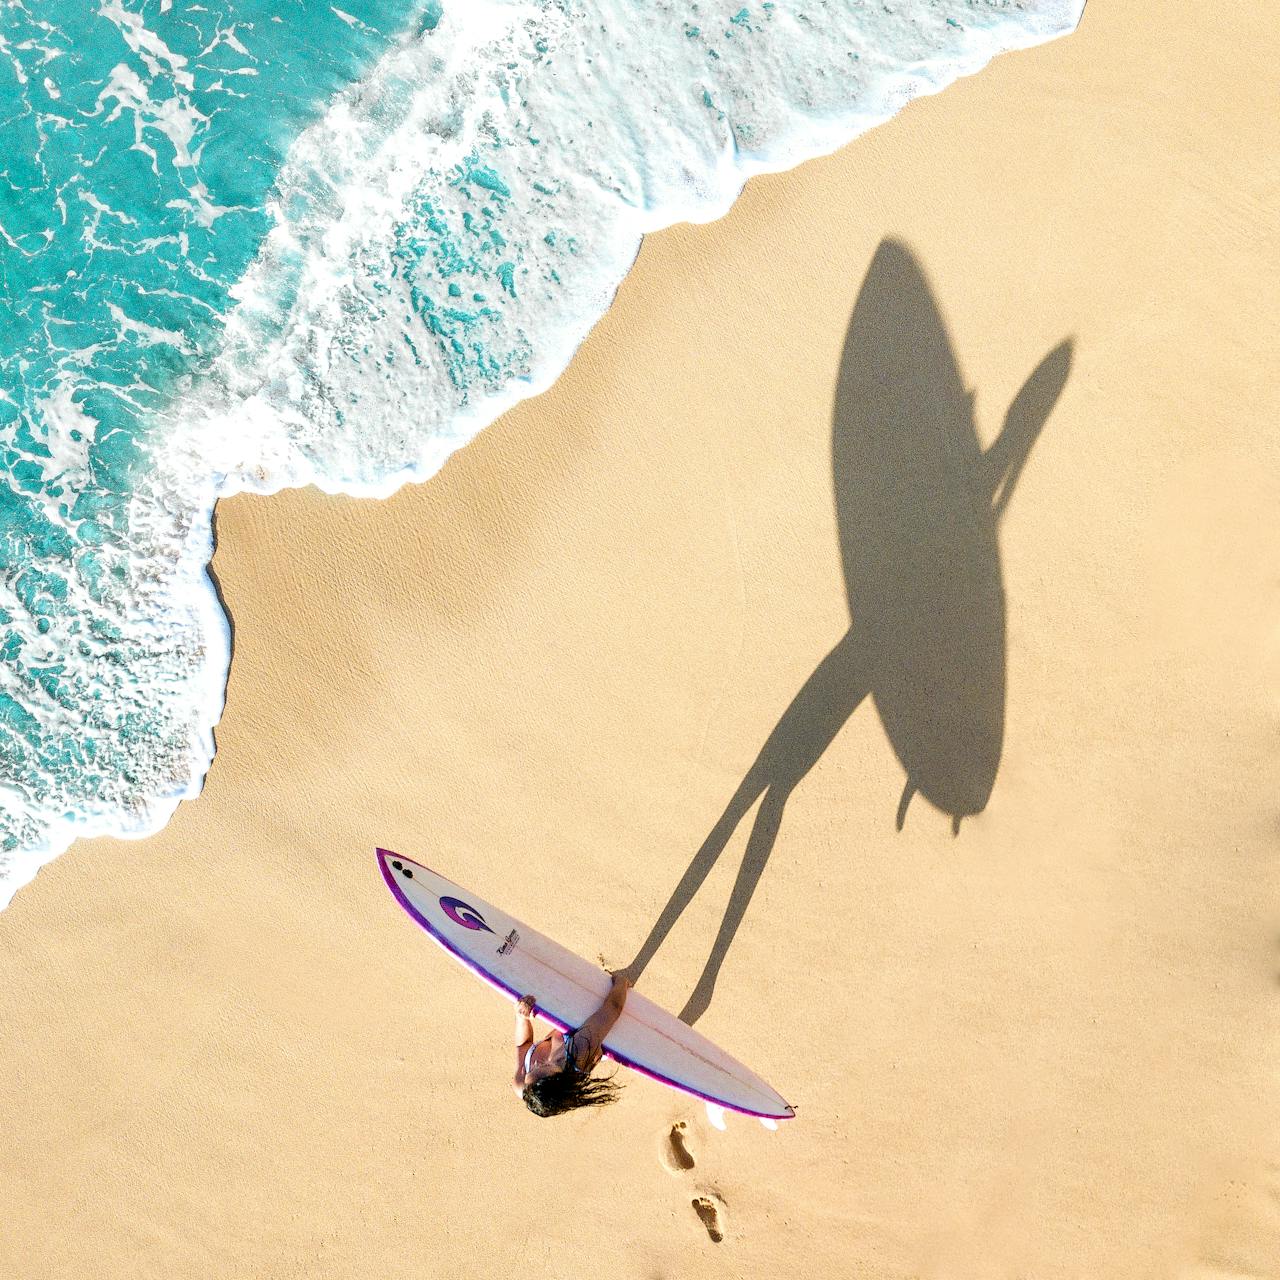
<point>516,960</point>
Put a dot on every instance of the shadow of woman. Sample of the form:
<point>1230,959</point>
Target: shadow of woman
<point>918,504</point>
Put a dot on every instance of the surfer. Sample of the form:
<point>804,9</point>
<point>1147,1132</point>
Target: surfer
<point>554,1075</point>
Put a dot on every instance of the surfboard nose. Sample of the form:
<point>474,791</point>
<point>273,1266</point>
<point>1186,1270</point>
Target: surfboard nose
<point>393,866</point>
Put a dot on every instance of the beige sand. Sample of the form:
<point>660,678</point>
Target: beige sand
<point>1044,1047</point>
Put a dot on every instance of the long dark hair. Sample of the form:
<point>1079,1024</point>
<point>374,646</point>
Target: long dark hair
<point>568,1090</point>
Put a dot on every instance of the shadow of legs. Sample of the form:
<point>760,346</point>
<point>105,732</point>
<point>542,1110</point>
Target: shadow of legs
<point>826,700</point>
<point>706,857</point>
<point>759,846</point>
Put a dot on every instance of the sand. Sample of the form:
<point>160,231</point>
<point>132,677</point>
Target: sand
<point>1044,1046</point>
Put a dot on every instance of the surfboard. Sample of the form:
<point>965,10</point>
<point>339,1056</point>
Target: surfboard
<point>517,960</point>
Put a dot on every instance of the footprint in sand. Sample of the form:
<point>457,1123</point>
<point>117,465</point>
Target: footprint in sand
<point>712,1213</point>
<point>674,1153</point>
<point>1241,1232</point>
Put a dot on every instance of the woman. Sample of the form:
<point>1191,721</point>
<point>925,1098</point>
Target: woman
<point>554,1075</point>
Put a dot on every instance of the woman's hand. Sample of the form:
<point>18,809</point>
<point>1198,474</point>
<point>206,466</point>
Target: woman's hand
<point>526,1006</point>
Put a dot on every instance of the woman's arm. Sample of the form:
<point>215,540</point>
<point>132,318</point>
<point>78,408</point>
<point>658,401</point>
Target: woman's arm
<point>524,1038</point>
<point>524,1021</point>
<point>603,1020</point>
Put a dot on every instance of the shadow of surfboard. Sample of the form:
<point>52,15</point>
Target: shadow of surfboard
<point>918,505</point>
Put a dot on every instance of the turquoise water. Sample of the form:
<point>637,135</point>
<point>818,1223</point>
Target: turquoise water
<point>253,245</point>
<point>140,145</point>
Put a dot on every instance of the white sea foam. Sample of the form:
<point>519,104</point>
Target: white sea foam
<point>442,240</point>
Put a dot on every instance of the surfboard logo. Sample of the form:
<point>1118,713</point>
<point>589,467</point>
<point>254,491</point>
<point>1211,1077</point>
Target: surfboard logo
<point>460,913</point>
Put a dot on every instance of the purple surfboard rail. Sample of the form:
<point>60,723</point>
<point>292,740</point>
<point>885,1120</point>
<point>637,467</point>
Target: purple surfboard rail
<point>549,1014</point>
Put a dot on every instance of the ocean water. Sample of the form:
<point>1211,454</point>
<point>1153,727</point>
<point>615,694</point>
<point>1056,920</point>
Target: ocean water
<point>246,245</point>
